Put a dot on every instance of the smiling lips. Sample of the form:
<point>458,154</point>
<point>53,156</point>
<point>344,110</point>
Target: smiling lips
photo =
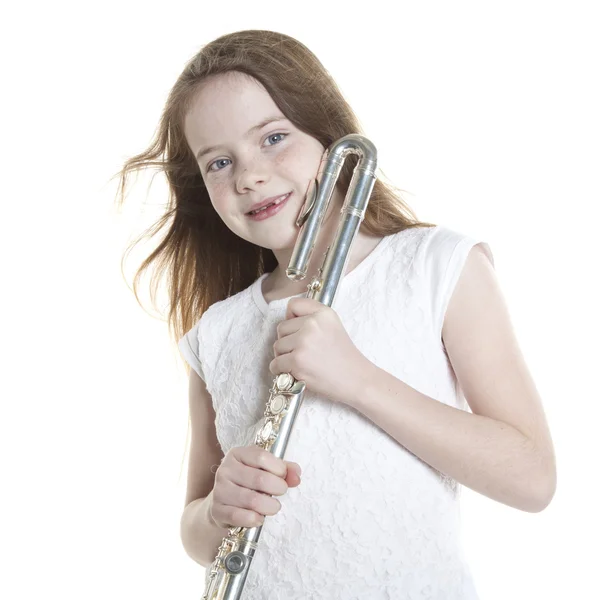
<point>269,209</point>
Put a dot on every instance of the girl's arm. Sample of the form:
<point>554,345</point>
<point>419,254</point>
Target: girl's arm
<point>504,449</point>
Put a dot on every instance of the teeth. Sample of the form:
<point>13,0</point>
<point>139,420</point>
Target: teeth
<point>254,212</point>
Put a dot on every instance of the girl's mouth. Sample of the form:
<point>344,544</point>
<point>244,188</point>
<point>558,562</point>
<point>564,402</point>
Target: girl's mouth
<point>270,210</point>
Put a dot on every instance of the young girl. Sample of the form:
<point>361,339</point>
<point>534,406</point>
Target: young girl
<point>418,329</point>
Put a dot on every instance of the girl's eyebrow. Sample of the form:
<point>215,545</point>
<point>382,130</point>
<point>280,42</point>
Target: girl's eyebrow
<point>250,131</point>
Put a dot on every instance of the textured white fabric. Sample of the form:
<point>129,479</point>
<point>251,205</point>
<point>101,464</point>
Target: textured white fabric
<point>188,346</point>
<point>369,519</point>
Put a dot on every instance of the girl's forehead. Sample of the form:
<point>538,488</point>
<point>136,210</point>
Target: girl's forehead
<point>230,91</point>
<point>227,106</point>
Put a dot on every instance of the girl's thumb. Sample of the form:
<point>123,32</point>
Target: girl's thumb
<point>296,466</point>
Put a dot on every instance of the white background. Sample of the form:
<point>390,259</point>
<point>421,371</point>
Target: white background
<point>487,113</point>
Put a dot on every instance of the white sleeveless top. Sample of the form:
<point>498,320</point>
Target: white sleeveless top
<point>369,519</point>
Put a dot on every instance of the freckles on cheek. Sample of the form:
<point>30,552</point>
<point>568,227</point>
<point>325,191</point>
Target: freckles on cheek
<point>217,189</point>
<point>216,192</point>
<point>286,155</point>
<point>299,161</point>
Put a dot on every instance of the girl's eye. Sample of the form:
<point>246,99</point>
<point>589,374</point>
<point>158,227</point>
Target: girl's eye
<point>275,135</point>
<point>210,167</point>
<point>220,160</point>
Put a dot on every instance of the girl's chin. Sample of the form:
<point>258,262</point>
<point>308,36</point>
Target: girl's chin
<point>279,239</point>
<point>279,245</point>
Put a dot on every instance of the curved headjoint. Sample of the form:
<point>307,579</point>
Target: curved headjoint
<point>320,192</point>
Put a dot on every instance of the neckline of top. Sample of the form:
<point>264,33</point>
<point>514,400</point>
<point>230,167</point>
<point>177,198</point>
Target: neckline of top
<point>264,307</point>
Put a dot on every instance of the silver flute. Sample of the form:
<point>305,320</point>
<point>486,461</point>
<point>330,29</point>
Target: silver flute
<point>226,576</point>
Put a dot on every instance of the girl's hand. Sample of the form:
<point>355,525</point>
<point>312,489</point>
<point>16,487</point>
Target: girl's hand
<point>314,347</point>
<point>245,481</point>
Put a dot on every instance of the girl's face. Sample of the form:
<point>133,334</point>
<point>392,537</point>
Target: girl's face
<point>249,152</point>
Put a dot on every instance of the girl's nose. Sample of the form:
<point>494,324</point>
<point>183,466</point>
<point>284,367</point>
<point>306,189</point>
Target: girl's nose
<point>252,175</point>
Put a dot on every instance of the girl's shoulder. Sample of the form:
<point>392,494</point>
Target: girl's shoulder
<point>430,259</point>
<point>436,244</point>
<point>444,244</point>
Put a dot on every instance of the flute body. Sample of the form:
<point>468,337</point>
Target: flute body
<point>226,576</point>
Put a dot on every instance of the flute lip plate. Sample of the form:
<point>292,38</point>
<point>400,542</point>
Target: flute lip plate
<point>311,196</point>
